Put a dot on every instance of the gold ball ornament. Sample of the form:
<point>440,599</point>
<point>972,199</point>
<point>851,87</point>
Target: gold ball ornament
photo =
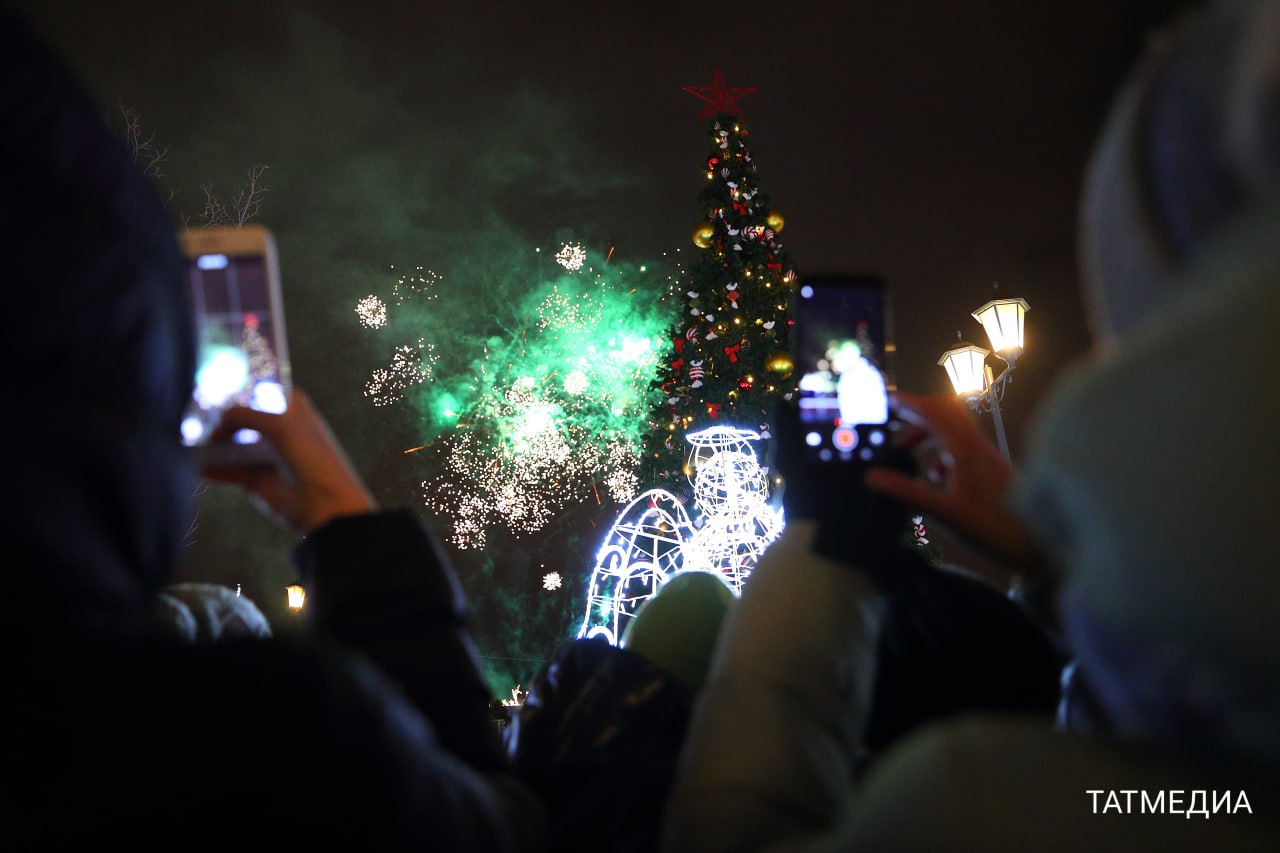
<point>704,235</point>
<point>780,363</point>
<point>775,221</point>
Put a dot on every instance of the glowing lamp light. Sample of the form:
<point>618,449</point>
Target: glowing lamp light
<point>1003,321</point>
<point>965,365</point>
<point>297,596</point>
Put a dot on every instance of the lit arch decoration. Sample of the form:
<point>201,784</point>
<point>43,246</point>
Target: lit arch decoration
<point>642,549</point>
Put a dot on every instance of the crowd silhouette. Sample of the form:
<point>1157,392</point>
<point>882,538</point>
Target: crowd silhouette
<point>1114,687</point>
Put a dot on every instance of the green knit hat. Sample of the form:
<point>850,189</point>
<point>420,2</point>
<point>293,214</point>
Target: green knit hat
<point>677,628</point>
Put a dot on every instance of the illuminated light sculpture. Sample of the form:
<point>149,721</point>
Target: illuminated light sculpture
<point>643,548</point>
<point>731,490</point>
<point>654,537</point>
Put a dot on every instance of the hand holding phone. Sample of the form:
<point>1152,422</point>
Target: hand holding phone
<point>972,499</point>
<point>315,481</point>
<point>242,351</point>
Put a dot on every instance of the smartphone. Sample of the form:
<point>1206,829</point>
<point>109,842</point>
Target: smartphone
<point>844,344</point>
<point>242,355</point>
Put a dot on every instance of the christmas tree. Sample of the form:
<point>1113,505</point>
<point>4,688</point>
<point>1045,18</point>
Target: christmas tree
<point>728,363</point>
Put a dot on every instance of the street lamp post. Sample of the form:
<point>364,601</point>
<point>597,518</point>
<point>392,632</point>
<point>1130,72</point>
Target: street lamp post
<point>966,364</point>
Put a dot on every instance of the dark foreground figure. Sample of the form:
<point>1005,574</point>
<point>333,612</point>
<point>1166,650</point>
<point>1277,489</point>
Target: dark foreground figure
<point>371,733</point>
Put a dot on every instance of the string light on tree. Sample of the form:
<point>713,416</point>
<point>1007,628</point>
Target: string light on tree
<point>551,581</point>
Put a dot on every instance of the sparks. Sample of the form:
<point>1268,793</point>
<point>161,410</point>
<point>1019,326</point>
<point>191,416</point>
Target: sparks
<point>571,256</point>
<point>372,312</point>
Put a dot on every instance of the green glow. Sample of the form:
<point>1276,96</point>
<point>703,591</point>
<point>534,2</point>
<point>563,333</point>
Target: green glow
<point>447,407</point>
<point>632,349</point>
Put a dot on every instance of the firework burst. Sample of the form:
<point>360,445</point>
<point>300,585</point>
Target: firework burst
<point>539,416</point>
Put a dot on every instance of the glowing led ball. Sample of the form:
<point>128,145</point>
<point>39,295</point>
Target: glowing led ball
<point>704,235</point>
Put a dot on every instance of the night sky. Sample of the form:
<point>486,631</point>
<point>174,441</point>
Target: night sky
<point>940,144</point>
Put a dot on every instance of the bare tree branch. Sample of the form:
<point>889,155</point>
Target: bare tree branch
<point>143,148</point>
<point>214,214</point>
<point>246,205</point>
<point>249,199</point>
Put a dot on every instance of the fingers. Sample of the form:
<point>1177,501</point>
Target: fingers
<point>909,491</point>
<point>945,414</point>
<point>268,424</point>
<point>237,418</point>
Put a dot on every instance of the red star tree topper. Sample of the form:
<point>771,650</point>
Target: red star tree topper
<point>719,97</point>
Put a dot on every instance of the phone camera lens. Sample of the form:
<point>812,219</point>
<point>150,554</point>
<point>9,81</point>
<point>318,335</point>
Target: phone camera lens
<point>844,439</point>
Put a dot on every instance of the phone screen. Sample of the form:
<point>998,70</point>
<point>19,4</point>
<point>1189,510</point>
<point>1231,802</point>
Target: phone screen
<point>842,358</point>
<point>240,341</point>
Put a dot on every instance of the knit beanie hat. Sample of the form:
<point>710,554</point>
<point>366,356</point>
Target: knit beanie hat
<point>677,629</point>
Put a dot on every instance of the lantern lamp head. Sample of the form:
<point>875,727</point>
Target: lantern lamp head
<point>1003,320</point>
<point>965,365</point>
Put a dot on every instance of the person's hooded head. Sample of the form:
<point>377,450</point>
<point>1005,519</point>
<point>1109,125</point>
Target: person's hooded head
<point>1151,475</point>
<point>1188,150</point>
<point>99,350</point>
